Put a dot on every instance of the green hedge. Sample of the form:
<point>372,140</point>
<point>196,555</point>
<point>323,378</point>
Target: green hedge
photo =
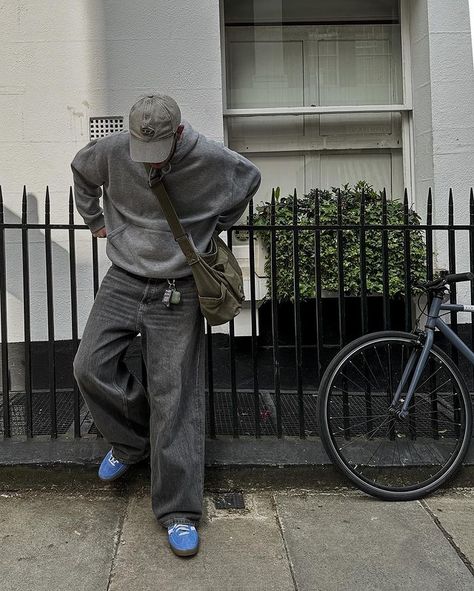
<point>351,209</point>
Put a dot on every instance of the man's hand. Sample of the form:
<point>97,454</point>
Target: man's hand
<point>101,233</point>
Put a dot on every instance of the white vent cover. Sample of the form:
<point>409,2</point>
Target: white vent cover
<point>102,126</point>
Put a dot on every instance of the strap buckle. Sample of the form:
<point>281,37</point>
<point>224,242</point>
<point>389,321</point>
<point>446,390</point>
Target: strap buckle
<point>152,181</point>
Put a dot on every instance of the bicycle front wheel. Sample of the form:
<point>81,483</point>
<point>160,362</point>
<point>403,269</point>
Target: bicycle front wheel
<point>384,455</point>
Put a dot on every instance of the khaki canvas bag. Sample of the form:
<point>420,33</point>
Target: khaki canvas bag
<point>217,274</point>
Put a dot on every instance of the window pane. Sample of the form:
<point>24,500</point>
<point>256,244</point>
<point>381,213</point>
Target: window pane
<point>357,72</point>
<point>313,65</point>
<point>284,11</point>
<point>303,63</point>
<point>265,74</point>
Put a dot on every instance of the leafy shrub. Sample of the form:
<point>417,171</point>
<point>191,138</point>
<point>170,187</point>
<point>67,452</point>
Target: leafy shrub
<point>328,215</point>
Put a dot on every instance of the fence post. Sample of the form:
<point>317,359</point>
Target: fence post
<point>3,318</point>
<point>50,311</point>
<point>318,284</point>
<point>385,274</point>
<point>340,267</point>
<point>253,313</point>
<point>26,315</point>
<point>274,296</point>
<point>297,317</point>
<point>74,329</point>
<point>363,268</point>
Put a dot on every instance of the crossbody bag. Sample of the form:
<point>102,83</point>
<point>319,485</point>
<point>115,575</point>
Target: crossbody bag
<point>217,273</point>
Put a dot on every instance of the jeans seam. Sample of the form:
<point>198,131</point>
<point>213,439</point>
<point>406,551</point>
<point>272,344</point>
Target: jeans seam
<point>197,391</point>
<point>124,398</point>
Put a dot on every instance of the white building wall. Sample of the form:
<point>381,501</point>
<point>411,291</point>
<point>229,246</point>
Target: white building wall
<point>61,63</point>
<point>421,90</point>
<point>443,91</point>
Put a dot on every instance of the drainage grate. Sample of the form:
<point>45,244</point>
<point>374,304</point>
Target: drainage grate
<point>232,500</point>
<point>102,126</point>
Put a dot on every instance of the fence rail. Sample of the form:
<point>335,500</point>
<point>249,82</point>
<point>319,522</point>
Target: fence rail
<point>264,384</point>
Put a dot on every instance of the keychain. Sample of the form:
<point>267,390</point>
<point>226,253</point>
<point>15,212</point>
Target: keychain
<point>171,295</point>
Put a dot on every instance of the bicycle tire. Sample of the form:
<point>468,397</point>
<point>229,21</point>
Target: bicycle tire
<point>331,432</point>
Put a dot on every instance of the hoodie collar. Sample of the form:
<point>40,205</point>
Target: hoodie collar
<point>186,143</point>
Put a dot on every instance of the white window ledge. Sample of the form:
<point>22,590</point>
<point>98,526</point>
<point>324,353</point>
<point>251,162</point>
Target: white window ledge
<point>315,110</point>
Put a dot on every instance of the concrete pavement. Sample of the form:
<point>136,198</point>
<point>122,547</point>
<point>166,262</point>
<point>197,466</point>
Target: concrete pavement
<point>106,539</point>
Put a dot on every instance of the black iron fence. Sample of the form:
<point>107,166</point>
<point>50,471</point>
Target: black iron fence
<point>265,383</point>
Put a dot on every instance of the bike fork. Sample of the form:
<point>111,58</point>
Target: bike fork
<point>420,366</point>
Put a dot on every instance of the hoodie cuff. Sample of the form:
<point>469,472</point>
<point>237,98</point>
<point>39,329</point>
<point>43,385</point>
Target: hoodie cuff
<point>97,224</point>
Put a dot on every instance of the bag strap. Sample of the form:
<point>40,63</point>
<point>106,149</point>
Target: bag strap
<point>179,233</point>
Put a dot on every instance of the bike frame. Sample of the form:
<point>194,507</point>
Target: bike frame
<point>434,322</point>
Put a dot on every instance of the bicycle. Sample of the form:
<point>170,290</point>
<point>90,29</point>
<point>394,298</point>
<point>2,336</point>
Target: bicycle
<point>395,412</point>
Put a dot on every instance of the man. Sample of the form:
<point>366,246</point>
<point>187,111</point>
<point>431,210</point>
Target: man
<point>210,186</point>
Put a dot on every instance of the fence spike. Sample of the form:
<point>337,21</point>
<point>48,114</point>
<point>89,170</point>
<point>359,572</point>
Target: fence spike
<point>339,207</point>
<point>47,208</point>
<point>1,206</point>
<point>429,208</point>
<point>471,205</point>
<point>362,207</point>
<point>295,208</point>
<point>71,206</point>
<point>316,207</point>
<point>405,206</point>
<point>24,208</point>
<point>250,216</point>
<point>450,208</point>
<point>384,206</point>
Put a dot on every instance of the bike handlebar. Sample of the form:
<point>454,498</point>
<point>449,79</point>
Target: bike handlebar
<point>445,278</point>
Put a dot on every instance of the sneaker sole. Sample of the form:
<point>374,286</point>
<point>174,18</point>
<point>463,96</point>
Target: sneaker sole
<point>113,477</point>
<point>190,552</point>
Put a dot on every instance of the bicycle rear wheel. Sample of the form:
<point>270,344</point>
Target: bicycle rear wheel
<point>385,456</point>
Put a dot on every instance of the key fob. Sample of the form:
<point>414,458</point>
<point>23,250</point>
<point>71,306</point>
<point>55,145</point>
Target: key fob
<point>175,297</point>
<point>167,297</point>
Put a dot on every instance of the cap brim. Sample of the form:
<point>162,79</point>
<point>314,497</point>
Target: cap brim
<point>153,152</point>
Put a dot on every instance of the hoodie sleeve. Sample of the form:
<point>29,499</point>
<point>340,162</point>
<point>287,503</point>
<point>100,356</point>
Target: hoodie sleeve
<point>245,183</point>
<point>89,176</point>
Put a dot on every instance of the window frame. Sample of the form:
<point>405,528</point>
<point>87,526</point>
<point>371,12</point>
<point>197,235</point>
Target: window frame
<point>405,109</point>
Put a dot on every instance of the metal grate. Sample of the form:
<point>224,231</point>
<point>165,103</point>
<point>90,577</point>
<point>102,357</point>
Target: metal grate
<point>41,412</point>
<point>102,126</point>
<point>231,500</point>
<point>246,414</point>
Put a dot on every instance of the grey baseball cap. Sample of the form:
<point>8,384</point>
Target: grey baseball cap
<point>153,122</point>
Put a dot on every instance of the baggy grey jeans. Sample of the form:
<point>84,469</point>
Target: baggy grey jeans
<point>166,419</point>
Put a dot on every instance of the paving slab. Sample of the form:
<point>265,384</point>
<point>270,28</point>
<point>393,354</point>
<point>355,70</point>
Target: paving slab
<point>240,550</point>
<point>455,512</point>
<point>57,542</point>
<point>353,541</point>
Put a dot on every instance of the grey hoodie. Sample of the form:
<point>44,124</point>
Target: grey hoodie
<point>208,184</point>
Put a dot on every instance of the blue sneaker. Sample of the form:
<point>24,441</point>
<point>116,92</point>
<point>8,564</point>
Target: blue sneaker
<point>183,539</point>
<point>111,468</point>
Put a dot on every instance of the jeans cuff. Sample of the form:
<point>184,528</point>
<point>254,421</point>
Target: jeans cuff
<point>172,520</point>
<point>129,462</point>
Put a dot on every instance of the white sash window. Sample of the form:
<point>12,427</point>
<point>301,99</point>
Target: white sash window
<point>315,92</point>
